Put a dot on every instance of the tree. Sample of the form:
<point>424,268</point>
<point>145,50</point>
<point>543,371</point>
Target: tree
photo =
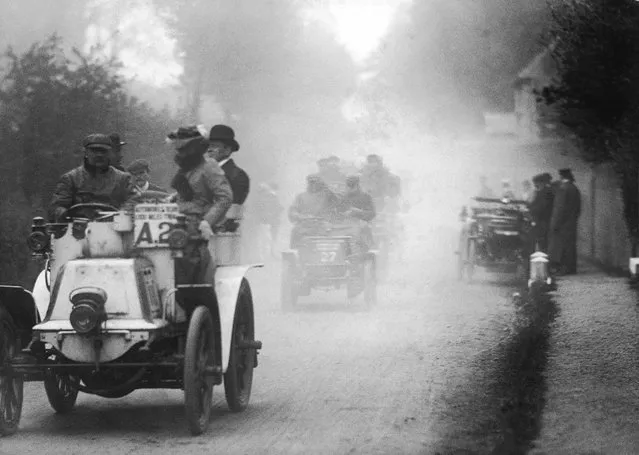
<point>48,102</point>
<point>597,95</point>
<point>450,60</point>
<point>282,80</point>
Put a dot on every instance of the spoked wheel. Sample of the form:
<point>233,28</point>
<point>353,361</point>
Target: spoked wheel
<point>469,261</point>
<point>289,291</point>
<point>370,283</point>
<point>61,389</point>
<point>199,360</point>
<point>238,378</point>
<point>11,386</point>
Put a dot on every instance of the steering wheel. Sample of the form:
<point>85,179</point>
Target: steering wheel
<point>90,210</point>
<point>153,197</point>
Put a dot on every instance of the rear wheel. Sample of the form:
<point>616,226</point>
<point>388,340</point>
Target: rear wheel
<point>469,262</point>
<point>199,357</point>
<point>11,386</point>
<point>370,283</point>
<point>289,291</point>
<point>61,390</point>
<point>238,378</point>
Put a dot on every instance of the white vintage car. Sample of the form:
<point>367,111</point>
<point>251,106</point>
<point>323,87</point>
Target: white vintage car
<point>106,316</point>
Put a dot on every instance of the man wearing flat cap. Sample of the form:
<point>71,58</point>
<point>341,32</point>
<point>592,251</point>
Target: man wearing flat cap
<point>318,201</point>
<point>94,181</point>
<point>563,225</point>
<point>116,151</point>
<point>140,170</point>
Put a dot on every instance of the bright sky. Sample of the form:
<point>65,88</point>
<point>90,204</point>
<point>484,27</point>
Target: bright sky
<point>359,25</point>
<point>148,52</point>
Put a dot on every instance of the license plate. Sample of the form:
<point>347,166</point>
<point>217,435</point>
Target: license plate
<point>507,233</point>
<point>152,224</point>
<point>327,253</point>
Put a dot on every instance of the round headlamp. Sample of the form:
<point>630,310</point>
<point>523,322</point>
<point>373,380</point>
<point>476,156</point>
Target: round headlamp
<point>85,317</point>
<point>88,308</point>
<point>38,241</point>
<point>178,238</point>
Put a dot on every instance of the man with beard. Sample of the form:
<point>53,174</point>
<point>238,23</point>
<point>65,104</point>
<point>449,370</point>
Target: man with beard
<point>318,201</point>
<point>563,225</point>
<point>116,151</point>
<point>203,195</point>
<point>95,181</point>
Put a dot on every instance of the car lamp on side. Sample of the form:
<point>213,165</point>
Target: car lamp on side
<point>88,309</point>
<point>39,239</point>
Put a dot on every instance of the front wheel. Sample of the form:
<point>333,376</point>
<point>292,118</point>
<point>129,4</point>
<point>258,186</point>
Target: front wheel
<point>11,385</point>
<point>289,289</point>
<point>370,283</point>
<point>199,358</point>
<point>61,390</point>
<point>238,378</point>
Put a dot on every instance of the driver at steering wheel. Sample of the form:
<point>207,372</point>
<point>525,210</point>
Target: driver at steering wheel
<point>95,181</point>
<point>318,201</point>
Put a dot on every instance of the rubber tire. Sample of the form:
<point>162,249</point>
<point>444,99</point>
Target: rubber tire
<point>61,402</point>
<point>289,294</point>
<point>237,397</point>
<point>469,266</point>
<point>370,284</point>
<point>9,346</point>
<point>198,407</point>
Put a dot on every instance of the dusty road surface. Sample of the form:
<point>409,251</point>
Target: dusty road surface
<point>419,373</point>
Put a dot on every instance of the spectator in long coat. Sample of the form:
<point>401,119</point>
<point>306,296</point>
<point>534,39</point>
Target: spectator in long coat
<point>540,208</point>
<point>563,224</point>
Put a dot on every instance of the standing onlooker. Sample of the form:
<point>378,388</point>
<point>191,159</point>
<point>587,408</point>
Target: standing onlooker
<point>116,151</point>
<point>540,208</point>
<point>563,224</point>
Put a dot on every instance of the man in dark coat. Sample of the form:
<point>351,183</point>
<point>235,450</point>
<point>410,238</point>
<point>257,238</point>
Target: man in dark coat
<point>116,151</point>
<point>540,208</point>
<point>222,144</point>
<point>357,203</point>
<point>140,170</point>
<point>563,224</point>
<point>94,181</point>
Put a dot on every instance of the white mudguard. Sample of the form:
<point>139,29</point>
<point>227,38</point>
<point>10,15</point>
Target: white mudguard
<point>41,294</point>
<point>227,286</point>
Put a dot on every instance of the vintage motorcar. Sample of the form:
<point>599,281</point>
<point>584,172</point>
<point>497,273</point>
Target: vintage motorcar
<point>107,317</point>
<point>494,236</point>
<point>327,257</point>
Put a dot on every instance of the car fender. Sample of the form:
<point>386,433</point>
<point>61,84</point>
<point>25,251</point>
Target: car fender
<point>21,305</point>
<point>227,286</point>
<point>41,294</point>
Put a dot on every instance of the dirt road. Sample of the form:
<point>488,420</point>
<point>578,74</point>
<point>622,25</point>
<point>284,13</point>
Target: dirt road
<point>414,375</point>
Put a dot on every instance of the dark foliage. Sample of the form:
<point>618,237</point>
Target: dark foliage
<point>597,94</point>
<point>48,103</point>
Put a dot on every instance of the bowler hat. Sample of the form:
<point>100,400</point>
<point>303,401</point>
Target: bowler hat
<point>224,134</point>
<point>98,141</point>
<point>566,174</point>
<point>138,166</point>
<point>115,138</point>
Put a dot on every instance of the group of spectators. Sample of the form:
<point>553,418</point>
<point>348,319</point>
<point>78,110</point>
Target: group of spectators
<point>208,186</point>
<point>554,207</point>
